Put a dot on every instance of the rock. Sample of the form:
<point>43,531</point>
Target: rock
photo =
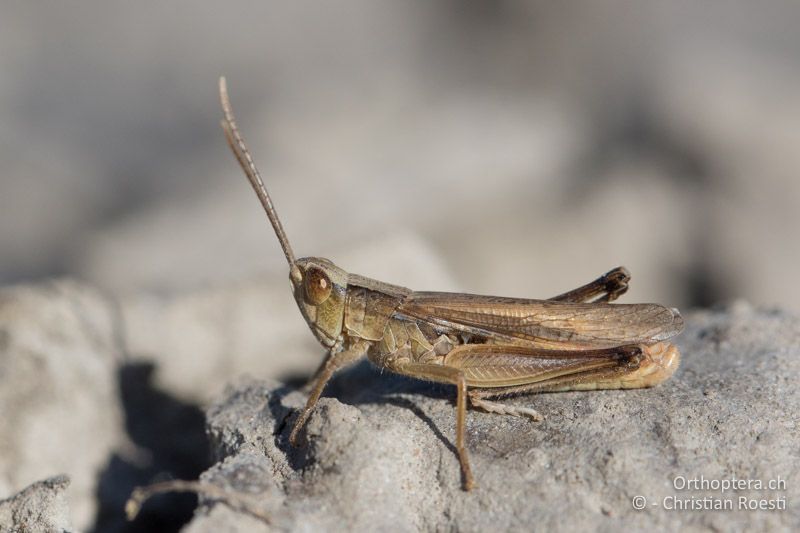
<point>58,389</point>
<point>107,390</point>
<point>380,453</point>
<point>41,506</point>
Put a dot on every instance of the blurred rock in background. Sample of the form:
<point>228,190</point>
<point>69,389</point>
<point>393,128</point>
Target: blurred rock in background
<point>533,145</point>
<point>59,352</point>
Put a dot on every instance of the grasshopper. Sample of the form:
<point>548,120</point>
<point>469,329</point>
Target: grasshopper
<point>488,347</point>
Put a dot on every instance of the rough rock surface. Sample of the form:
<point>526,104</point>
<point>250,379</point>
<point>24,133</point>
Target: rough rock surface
<point>40,507</point>
<point>107,390</point>
<point>380,453</point>
<point>58,389</point>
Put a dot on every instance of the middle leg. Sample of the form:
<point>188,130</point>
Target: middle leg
<point>453,376</point>
<point>476,400</point>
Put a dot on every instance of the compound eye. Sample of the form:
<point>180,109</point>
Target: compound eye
<point>318,286</point>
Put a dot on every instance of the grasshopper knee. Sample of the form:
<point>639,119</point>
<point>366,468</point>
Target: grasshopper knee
<point>659,362</point>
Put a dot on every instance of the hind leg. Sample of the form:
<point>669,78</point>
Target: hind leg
<point>475,400</point>
<point>606,288</point>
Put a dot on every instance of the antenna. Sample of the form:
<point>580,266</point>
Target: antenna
<point>239,148</point>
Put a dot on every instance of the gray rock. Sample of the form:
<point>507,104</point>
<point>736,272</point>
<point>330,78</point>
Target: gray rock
<point>74,363</point>
<point>41,507</point>
<point>58,389</point>
<point>380,453</point>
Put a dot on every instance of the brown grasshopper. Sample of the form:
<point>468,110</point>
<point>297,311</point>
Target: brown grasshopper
<point>487,346</point>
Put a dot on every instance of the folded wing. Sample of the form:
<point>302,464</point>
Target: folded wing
<point>545,323</point>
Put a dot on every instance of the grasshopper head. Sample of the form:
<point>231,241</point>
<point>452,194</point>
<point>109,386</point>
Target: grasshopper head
<point>320,288</point>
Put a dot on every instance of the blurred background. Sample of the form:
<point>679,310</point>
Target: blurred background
<point>500,147</point>
<point>530,145</point>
